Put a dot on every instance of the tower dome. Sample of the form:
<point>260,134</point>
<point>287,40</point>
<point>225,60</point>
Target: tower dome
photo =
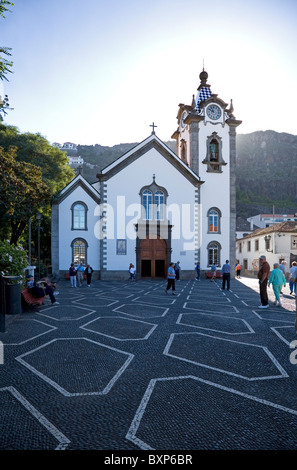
<point>203,77</point>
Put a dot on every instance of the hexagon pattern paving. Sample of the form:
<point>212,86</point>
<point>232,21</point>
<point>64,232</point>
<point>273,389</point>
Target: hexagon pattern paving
<point>77,366</point>
<point>244,360</point>
<point>120,328</point>
<point>123,366</point>
<point>203,414</point>
<point>41,434</point>
<point>205,321</point>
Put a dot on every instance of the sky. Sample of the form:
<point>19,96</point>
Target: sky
<point>102,71</point>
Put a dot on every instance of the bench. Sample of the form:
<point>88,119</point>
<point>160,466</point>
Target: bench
<point>30,300</point>
<point>209,275</point>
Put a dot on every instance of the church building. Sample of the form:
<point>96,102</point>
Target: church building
<point>152,206</point>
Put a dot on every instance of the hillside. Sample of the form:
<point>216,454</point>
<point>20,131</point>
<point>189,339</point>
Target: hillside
<point>266,169</point>
<point>101,156</point>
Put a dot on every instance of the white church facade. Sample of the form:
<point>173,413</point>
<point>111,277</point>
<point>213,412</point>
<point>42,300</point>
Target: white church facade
<point>152,206</point>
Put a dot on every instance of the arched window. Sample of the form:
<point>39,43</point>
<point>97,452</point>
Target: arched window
<point>79,251</point>
<point>147,201</point>
<point>159,205</point>
<point>214,253</point>
<point>79,216</point>
<point>214,219</point>
<point>153,200</point>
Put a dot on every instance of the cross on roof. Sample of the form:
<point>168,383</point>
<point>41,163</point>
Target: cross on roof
<point>153,126</point>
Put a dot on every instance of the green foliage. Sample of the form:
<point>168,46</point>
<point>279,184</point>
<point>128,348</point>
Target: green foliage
<point>3,9</point>
<point>13,259</point>
<point>22,192</point>
<point>35,149</point>
<point>4,63</point>
<point>31,172</point>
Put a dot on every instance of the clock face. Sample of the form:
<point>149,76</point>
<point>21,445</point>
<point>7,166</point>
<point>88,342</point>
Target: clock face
<point>183,119</point>
<point>213,112</point>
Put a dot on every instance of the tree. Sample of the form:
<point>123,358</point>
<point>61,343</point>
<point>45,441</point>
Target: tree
<point>4,63</point>
<point>35,149</point>
<point>53,173</point>
<point>3,9</point>
<point>22,192</point>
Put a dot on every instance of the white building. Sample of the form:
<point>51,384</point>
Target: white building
<point>277,242</point>
<point>75,161</point>
<point>152,206</point>
<point>66,146</point>
<point>266,220</point>
<point>243,228</point>
<point>69,146</point>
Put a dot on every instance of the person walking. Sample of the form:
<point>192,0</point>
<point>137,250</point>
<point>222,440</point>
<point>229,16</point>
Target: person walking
<point>132,272</point>
<point>89,271</point>
<point>197,268</point>
<point>171,279</point>
<point>130,266</point>
<point>277,279</point>
<point>177,271</point>
<point>293,278</point>
<point>72,274</point>
<point>263,276</point>
<point>238,270</point>
<point>226,275</point>
<point>213,273</point>
<point>283,268</point>
<point>80,274</point>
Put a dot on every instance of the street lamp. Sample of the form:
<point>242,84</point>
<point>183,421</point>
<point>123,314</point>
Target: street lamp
<point>267,239</point>
<point>4,104</point>
<point>38,218</point>
<point>29,247</point>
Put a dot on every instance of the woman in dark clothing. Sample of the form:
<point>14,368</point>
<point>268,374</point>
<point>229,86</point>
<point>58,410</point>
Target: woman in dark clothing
<point>89,271</point>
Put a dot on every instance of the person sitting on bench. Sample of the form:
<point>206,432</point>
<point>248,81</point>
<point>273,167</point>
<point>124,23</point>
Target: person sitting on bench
<point>40,289</point>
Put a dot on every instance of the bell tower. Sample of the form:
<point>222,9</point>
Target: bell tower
<point>206,142</point>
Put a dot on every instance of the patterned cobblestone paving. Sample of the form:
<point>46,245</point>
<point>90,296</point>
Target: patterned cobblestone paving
<point>123,366</point>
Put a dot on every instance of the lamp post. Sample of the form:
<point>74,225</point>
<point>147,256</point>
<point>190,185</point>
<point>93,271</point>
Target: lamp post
<point>38,218</point>
<point>267,239</point>
<point>29,247</point>
<point>4,104</point>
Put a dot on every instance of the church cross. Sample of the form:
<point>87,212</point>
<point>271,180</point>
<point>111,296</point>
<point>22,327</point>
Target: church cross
<point>153,126</point>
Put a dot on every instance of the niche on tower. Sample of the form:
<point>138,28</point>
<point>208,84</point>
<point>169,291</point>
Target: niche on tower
<point>214,159</point>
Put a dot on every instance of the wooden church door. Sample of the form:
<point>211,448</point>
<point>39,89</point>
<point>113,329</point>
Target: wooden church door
<point>153,257</point>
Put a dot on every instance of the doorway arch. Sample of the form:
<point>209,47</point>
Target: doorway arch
<point>153,257</point>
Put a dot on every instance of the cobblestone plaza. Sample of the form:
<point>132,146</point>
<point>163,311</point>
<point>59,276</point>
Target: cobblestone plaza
<point>123,366</point>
